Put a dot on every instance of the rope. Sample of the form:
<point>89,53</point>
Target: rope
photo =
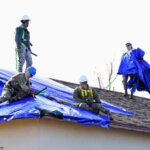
<point>16,58</point>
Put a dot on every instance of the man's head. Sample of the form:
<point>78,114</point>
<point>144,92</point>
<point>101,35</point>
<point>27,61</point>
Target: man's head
<point>129,46</point>
<point>25,20</point>
<point>83,81</point>
<point>30,72</point>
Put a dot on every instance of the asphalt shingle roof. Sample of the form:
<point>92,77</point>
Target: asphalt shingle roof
<point>139,106</point>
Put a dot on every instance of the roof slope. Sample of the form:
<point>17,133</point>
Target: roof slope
<point>139,106</point>
<point>55,101</point>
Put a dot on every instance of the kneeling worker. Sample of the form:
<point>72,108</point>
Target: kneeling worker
<point>18,86</point>
<point>88,99</point>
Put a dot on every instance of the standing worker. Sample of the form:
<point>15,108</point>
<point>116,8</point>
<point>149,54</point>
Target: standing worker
<point>88,98</point>
<point>23,44</point>
<point>135,71</point>
<point>126,67</point>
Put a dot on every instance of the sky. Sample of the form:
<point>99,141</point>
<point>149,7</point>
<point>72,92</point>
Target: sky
<point>75,37</point>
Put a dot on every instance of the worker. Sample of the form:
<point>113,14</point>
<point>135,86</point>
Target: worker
<point>23,44</point>
<point>18,86</point>
<point>88,98</point>
<point>127,69</point>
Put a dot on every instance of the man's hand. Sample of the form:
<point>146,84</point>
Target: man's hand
<point>88,101</point>
<point>94,101</point>
<point>32,93</point>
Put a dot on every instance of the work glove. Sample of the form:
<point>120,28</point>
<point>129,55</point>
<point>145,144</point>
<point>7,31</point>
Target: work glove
<point>79,105</point>
<point>94,101</point>
<point>88,101</point>
<point>35,92</point>
<point>32,93</point>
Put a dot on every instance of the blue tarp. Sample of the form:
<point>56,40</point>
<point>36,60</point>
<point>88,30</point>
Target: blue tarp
<point>30,107</point>
<point>132,63</point>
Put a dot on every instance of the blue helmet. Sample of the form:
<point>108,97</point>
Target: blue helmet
<point>32,70</point>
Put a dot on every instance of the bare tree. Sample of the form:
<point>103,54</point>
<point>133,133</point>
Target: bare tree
<point>110,73</point>
<point>100,83</point>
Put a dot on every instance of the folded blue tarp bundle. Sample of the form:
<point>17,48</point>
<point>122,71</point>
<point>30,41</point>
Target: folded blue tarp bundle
<point>30,107</point>
<point>132,63</point>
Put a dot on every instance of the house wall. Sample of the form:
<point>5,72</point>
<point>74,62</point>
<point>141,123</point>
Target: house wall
<point>59,135</point>
<point>19,135</point>
<point>47,134</point>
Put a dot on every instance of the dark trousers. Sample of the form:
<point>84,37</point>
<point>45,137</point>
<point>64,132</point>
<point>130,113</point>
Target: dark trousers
<point>11,95</point>
<point>95,107</point>
<point>125,80</point>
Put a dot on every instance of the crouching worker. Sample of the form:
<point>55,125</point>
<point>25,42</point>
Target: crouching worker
<point>18,86</point>
<point>88,99</point>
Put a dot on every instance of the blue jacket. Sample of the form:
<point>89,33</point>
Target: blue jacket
<point>133,63</point>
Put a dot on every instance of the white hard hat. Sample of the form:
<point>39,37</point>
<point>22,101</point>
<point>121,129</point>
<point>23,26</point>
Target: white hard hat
<point>25,17</point>
<point>128,43</point>
<point>83,78</point>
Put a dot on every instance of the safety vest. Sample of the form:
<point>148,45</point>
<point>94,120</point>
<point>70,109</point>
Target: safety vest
<point>85,92</point>
<point>23,38</point>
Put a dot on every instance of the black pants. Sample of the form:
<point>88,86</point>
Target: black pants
<point>95,107</point>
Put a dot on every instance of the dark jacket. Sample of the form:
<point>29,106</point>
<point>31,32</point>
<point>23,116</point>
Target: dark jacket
<point>19,83</point>
<point>22,37</point>
<point>77,95</point>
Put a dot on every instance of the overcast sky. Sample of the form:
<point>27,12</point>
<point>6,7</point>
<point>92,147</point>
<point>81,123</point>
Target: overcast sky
<point>74,37</point>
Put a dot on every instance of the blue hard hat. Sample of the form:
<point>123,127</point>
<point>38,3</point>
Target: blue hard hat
<point>32,70</point>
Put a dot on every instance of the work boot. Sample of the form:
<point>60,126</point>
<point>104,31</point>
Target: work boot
<point>110,115</point>
<point>2,99</point>
<point>100,113</point>
<point>126,93</point>
<point>131,96</point>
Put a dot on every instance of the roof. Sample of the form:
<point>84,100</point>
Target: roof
<point>56,101</point>
<point>139,106</point>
